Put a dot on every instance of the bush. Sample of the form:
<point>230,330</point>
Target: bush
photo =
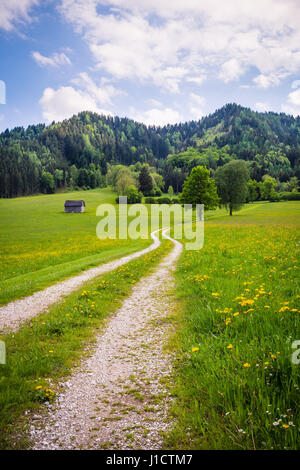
<point>164,200</point>
<point>157,191</point>
<point>150,200</point>
<point>175,200</point>
<point>290,196</point>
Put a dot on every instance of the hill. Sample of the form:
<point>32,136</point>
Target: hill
<point>270,142</point>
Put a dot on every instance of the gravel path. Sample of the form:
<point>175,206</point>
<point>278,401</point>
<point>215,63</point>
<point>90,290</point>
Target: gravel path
<point>18,311</point>
<point>116,399</point>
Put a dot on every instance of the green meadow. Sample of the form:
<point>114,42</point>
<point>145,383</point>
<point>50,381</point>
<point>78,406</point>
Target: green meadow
<point>40,244</point>
<point>236,384</point>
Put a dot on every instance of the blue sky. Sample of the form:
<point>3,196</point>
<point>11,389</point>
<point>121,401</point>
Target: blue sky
<point>156,61</point>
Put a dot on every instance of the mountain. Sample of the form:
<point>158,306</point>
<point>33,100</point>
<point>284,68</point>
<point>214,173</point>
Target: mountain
<point>266,140</point>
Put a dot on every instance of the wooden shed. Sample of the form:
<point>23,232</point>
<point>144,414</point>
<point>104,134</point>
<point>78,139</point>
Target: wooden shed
<point>74,206</point>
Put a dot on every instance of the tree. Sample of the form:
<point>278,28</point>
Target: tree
<point>170,191</point>
<point>133,195</point>
<point>47,183</point>
<point>198,188</point>
<point>232,180</point>
<point>123,181</point>
<point>145,180</point>
<point>253,190</point>
<point>267,189</point>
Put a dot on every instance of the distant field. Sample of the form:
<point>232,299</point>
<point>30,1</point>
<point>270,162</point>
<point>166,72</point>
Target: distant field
<point>236,384</point>
<point>40,244</point>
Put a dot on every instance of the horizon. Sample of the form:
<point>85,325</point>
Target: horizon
<point>151,125</point>
<point>153,62</point>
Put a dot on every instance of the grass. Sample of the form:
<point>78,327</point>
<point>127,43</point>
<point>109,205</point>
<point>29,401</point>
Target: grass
<point>40,244</point>
<point>46,349</point>
<point>236,386</point>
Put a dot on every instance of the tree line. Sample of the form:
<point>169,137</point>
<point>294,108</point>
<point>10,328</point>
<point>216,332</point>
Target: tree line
<point>79,152</point>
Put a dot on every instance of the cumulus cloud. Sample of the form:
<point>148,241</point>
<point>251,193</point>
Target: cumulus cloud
<point>155,116</point>
<point>66,101</point>
<point>54,61</point>
<point>296,84</point>
<point>196,104</point>
<point>231,70</point>
<point>169,43</point>
<point>293,103</point>
<point>262,107</point>
<point>15,11</point>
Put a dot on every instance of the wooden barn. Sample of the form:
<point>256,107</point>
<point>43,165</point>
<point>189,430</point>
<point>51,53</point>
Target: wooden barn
<point>74,206</point>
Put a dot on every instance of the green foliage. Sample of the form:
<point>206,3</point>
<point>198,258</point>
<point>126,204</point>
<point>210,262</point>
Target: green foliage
<point>200,189</point>
<point>47,183</point>
<point>133,195</point>
<point>145,180</point>
<point>232,182</point>
<point>267,189</point>
<point>269,142</point>
<point>253,191</point>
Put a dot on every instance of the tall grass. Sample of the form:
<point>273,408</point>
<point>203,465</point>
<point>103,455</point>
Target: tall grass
<point>236,384</point>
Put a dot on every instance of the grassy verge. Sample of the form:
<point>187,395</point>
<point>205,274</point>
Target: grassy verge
<point>50,345</point>
<point>236,385</point>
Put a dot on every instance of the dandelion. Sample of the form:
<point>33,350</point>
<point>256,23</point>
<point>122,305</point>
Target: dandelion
<point>285,426</point>
<point>215,294</point>
<point>195,349</point>
<point>229,346</point>
<point>50,351</point>
<point>247,364</point>
<point>38,387</point>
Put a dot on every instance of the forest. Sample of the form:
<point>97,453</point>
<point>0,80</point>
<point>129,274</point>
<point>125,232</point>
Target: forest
<point>82,152</point>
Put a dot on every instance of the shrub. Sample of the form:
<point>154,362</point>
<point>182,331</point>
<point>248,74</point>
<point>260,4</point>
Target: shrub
<point>290,196</point>
<point>164,200</point>
<point>150,200</point>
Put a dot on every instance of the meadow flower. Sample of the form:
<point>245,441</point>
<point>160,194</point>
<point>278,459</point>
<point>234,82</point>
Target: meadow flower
<point>247,364</point>
<point>229,346</point>
<point>195,349</point>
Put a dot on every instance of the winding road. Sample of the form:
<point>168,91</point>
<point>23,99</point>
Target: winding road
<point>117,398</point>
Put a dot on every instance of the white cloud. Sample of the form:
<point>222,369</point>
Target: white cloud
<point>55,60</point>
<point>198,80</point>
<point>231,70</point>
<point>293,103</point>
<point>295,84</point>
<point>167,43</point>
<point>262,107</point>
<point>155,116</point>
<point>66,101</point>
<point>102,94</point>
<point>265,81</point>
<point>196,104</point>
<point>15,11</point>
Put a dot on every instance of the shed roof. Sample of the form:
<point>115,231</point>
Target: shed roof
<point>74,203</point>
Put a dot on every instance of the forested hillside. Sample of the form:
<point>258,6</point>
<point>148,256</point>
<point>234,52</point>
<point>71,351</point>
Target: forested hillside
<point>79,151</point>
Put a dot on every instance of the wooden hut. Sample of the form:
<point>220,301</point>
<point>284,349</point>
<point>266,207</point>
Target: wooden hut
<point>74,206</point>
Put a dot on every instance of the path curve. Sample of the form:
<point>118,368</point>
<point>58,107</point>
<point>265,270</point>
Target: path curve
<point>116,399</point>
<point>13,314</point>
